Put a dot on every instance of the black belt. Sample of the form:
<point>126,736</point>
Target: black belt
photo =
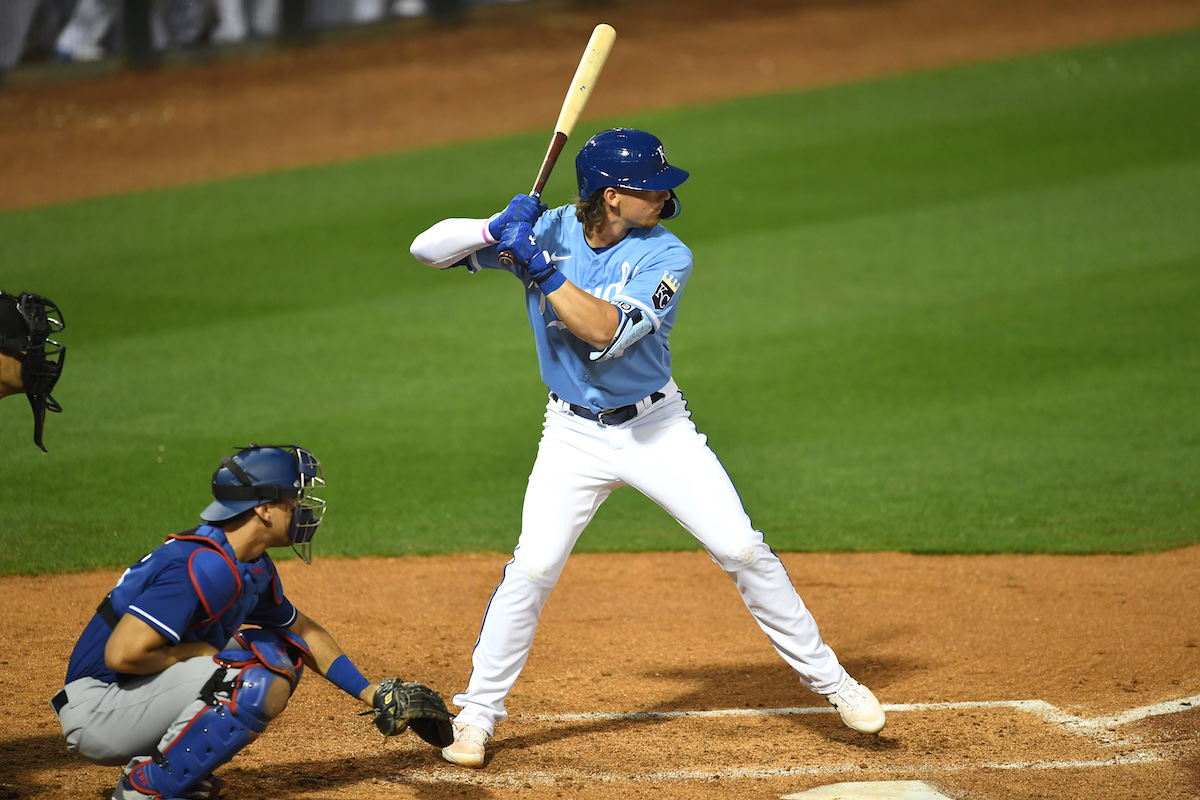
<point>109,615</point>
<point>609,416</point>
<point>107,612</point>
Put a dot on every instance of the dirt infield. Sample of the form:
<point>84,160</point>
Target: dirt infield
<point>1006,677</point>
<point>629,642</point>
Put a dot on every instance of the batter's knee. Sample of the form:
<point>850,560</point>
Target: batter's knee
<point>737,556</point>
<point>539,573</point>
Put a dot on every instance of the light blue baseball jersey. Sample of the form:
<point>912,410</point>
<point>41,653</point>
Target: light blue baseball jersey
<point>647,270</point>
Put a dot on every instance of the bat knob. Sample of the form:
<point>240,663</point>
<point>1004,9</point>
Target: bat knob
<point>507,259</point>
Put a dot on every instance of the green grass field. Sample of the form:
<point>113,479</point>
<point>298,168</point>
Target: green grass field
<point>955,311</point>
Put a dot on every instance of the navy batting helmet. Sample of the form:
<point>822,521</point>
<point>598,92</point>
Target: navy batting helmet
<point>627,158</point>
<point>26,323</point>
<point>265,474</point>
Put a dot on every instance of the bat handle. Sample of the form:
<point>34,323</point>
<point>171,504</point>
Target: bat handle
<point>506,256</point>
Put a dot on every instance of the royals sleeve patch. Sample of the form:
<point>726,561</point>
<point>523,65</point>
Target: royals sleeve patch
<point>666,290</point>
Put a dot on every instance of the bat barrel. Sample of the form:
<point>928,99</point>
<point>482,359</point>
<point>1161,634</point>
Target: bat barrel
<point>599,46</point>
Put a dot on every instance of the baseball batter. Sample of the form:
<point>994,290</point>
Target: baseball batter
<point>603,281</point>
<point>165,680</point>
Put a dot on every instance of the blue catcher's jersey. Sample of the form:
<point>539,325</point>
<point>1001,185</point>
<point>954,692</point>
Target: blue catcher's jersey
<point>647,270</point>
<point>191,588</point>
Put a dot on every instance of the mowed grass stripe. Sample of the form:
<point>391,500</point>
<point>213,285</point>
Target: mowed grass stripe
<point>951,311</point>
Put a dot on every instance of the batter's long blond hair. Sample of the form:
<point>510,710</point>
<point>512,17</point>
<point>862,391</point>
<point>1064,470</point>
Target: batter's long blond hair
<point>591,211</point>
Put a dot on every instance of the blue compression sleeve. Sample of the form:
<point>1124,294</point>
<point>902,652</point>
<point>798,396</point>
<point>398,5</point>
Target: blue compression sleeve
<point>344,675</point>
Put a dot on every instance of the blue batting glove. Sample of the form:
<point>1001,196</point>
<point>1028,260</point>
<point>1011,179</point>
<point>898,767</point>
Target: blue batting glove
<point>519,240</point>
<point>521,208</point>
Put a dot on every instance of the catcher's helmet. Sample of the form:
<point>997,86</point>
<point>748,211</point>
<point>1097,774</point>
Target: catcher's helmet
<point>261,474</point>
<point>627,159</point>
<point>26,323</point>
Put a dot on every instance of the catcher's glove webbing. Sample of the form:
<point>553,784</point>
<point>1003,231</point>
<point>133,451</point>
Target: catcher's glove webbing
<point>400,705</point>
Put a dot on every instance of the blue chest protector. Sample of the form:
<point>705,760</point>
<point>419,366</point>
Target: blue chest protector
<point>229,590</point>
<point>191,588</point>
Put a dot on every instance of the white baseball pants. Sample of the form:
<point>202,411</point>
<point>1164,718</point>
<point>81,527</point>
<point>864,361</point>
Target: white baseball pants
<point>661,454</point>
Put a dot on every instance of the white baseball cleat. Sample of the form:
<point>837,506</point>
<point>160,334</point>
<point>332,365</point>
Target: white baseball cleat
<point>858,707</point>
<point>468,747</point>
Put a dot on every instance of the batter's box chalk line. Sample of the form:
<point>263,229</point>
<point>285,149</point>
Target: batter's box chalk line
<point>1100,729</point>
<point>1094,727</point>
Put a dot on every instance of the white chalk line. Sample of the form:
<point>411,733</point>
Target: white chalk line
<point>544,777</point>
<point>1048,711</point>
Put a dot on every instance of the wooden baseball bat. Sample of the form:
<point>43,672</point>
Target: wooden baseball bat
<point>598,48</point>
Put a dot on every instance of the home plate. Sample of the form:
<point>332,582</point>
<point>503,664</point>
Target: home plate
<point>871,790</point>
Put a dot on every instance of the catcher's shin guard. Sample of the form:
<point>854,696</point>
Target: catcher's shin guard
<point>236,711</point>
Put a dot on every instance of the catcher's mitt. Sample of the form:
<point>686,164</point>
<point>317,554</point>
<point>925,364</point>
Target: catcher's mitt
<point>400,705</point>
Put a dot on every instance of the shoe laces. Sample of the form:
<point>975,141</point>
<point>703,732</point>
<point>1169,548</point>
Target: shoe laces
<point>850,695</point>
<point>469,733</point>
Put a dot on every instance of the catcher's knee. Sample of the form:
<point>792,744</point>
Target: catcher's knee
<point>254,694</point>
<point>261,696</point>
<point>256,684</point>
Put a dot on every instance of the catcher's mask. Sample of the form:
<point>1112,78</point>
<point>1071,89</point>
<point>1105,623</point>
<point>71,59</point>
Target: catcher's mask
<point>261,474</point>
<point>627,158</point>
<point>26,324</point>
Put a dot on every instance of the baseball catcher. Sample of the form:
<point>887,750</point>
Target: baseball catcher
<point>197,649</point>
<point>30,361</point>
